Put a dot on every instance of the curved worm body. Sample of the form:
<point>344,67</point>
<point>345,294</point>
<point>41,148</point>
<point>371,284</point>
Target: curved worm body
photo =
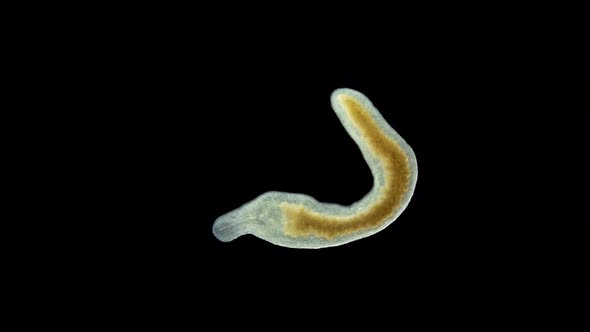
<point>300,221</point>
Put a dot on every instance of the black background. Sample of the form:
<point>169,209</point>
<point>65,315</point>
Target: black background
<point>114,186</point>
<point>117,184</point>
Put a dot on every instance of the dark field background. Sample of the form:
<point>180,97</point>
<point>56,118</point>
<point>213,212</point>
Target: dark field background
<point>109,189</point>
<point>117,184</point>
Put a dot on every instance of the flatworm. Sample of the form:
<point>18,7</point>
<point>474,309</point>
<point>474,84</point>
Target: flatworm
<point>300,221</point>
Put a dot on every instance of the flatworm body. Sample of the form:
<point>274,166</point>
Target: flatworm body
<point>300,221</point>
